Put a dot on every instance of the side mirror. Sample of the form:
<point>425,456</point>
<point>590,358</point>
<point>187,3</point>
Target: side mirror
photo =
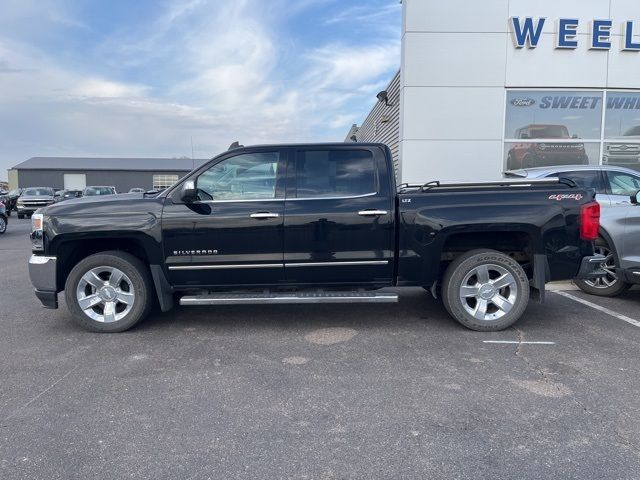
<point>635,199</point>
<point>189,192</point>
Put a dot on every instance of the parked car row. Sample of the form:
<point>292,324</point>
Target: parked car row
<point>25,201</point>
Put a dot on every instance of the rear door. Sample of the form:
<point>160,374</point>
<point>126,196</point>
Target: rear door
<point>339,226</point>
<point>630,254</point>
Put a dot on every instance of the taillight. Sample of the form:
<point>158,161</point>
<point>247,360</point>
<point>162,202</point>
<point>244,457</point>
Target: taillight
<point>590,221</point>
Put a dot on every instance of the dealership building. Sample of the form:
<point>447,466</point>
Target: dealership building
<point>486,86</point>
<point>75,173</point>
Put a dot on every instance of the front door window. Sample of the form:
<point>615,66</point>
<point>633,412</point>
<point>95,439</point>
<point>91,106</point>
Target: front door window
<point>250,176</point>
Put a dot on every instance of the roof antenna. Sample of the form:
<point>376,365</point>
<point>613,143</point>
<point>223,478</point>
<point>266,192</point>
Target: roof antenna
<point>235,145</point>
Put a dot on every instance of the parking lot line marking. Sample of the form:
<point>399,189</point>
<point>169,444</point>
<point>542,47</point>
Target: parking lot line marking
<point>516,342</point>
<point>608,311</point>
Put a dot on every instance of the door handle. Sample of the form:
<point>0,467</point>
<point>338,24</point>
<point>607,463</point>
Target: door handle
<point>261,215</point>
<point>372,213</point>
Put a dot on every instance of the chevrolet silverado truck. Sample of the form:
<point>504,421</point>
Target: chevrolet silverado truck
<point>313,224</point>
<point>32,199</point>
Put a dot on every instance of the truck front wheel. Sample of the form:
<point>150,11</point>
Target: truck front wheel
<point>109,292</point>
<point>485,290</point>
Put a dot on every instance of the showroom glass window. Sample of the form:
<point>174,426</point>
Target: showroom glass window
<point>622,130</point>
<point>549,128</point>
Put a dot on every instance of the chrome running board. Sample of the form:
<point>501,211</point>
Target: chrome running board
<point>317,296</point>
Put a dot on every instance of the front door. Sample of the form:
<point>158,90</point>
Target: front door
<point>232,235</point>
<point>339,217</point>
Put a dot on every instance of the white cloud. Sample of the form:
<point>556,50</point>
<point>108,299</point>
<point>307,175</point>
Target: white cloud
<point>215,71</point>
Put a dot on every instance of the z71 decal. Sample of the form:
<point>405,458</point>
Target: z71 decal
<point>567,196</point>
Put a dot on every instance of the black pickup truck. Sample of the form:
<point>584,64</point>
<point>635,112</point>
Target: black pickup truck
<point>312,224</point>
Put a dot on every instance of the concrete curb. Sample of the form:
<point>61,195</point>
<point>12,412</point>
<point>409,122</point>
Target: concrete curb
<point>561,286</point>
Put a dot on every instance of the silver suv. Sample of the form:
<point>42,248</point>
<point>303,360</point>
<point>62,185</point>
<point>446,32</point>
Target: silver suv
<point>619,239</point>
<point>613,185</point>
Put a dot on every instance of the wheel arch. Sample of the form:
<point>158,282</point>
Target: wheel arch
<point>71,251</point>
<point>606,236</point>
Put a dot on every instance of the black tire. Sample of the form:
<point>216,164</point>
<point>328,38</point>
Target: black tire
<point>8,212</point>
<point>511,162</point>
<point>3,224</point>
<point>517,292</point>
<point>135,271</point>
<point>21,216</point>
<point>611,285</point>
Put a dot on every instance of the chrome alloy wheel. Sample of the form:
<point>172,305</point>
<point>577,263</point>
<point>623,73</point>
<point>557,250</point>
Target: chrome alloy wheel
<point>3,225</point>
<point>488,292</point>
<point>609,266</point>
<point>105,294</point>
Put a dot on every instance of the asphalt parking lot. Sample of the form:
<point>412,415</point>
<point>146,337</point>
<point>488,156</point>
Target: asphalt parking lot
<point>324,392</point>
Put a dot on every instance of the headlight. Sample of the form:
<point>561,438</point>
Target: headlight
<point>37,219</point>
<point>37,235</point>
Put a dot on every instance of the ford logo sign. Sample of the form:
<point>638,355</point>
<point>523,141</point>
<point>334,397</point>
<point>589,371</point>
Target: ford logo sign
<point>523,102</point>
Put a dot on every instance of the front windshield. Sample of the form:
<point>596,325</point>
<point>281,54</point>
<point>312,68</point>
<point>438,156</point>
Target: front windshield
<point>38,192</point>
<point>91,191</point>
<point>14,192</point>
<point>549,131</point>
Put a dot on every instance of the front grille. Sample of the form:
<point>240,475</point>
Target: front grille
<point>624,149</point>
<point>561,147</point>
<point>43,203</point>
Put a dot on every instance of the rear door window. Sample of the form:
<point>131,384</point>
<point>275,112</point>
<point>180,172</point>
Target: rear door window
<point>584,178</point>
<point>335,173</point>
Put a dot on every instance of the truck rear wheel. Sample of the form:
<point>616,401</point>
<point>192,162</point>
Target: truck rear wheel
<point>109,292</point>
<point>485,290</point>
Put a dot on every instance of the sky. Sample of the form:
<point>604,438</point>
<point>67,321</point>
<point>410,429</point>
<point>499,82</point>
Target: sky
<point>142,78</point>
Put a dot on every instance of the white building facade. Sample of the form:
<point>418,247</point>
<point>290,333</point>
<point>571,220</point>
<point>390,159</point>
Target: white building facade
<point>491,85</point>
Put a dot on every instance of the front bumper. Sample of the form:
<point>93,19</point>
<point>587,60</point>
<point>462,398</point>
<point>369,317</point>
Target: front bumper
<point>42,271</point>
<point>621,159</point>
<point>26,210</point>
<point>591,267</point>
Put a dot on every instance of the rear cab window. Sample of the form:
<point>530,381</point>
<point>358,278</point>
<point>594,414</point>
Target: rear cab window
<point>335,174</point>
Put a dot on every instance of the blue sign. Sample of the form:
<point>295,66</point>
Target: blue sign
<point>527,32</point>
